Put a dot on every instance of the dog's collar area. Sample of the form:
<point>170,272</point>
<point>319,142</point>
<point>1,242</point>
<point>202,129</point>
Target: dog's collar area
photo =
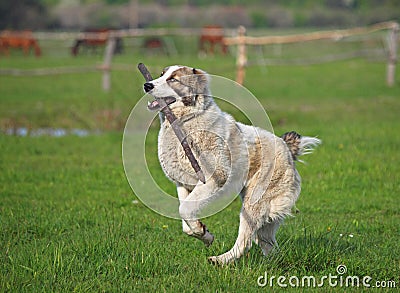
<point>155,105</point>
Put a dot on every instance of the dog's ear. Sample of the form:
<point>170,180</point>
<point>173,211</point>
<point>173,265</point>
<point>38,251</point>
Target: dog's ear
<point>202,75</point>
<point>201,79</point>
<point>198,71</point>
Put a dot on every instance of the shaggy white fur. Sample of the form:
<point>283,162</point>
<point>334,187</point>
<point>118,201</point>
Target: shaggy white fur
<point>234,158</point>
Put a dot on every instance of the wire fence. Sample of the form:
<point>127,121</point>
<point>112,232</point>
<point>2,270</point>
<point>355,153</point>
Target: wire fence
<point>376,43</point>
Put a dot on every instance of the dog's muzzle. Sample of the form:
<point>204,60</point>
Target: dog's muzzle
<point>154,105</point>
<point>148,86</point>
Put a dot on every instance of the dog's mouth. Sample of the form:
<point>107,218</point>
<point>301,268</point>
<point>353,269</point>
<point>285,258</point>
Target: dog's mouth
<point>155,105</point>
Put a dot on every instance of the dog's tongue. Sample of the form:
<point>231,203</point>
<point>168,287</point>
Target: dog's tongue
<point>154,105</point>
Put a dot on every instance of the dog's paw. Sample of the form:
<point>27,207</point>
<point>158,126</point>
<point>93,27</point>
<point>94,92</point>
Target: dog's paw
<point>214,260</point>
<point>218,261</point>
<point>207,238</point>
<point>223,259</point>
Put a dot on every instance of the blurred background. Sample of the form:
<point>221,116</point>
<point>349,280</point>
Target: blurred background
<point>58,50</point>
<point>82,14</point>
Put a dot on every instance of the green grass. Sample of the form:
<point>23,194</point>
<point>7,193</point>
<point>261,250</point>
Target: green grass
<point>70,222</point>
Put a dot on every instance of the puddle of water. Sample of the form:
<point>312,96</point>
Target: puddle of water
<point>55,132</point>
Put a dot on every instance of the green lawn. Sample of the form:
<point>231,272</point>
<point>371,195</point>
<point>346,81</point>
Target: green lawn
<point>70,222</point>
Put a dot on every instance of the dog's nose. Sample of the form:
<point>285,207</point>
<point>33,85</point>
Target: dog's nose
<point>148,86</point>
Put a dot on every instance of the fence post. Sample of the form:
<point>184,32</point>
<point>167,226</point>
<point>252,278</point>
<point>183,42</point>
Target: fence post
<point>392,45</point>
<point>106,67</point>
<point>241,60</point>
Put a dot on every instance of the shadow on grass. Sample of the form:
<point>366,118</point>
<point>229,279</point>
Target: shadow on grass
<point>312,252</point>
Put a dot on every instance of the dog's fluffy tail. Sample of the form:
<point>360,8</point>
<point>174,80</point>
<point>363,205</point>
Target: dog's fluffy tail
<point>300,145</point>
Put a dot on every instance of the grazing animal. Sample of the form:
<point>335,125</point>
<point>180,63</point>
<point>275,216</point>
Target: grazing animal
<point>19,39</point>
<point>154,45</point>
<point>94,38</point>
<point>211,37</point>
<point>232,155</point>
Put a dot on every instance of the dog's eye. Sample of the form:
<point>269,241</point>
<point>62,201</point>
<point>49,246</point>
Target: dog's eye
<point>172,79</point>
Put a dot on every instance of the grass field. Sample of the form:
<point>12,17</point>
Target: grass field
<point>70,222</point>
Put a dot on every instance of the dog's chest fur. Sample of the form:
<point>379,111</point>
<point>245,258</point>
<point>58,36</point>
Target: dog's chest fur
<point>207,134</point>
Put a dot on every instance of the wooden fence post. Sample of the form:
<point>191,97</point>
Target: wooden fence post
<point>106,67</point>
<point>241,60</point>
<point>392,45</point>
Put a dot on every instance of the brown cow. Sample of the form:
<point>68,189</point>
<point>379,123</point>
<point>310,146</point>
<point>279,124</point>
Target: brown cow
<point>18,39</point>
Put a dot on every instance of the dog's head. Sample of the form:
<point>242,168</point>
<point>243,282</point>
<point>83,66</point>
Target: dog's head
<point>179,86</point>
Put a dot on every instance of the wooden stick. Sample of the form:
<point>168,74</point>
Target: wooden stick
<point>175,126</point>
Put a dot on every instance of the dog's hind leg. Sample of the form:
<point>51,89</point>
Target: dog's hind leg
<point>243,242</point>
<point>265,237</point>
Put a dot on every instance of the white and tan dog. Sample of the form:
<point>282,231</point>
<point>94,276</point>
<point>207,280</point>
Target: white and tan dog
<point>234,158</point>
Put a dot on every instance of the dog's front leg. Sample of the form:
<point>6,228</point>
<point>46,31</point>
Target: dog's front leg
<point>198,230</point>
<point>182,195</point>
<point>190,206</point>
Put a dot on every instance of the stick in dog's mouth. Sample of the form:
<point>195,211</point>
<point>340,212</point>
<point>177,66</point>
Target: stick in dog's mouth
<point>162,105</point>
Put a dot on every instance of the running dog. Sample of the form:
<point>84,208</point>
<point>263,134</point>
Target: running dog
<point>234,158</point>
